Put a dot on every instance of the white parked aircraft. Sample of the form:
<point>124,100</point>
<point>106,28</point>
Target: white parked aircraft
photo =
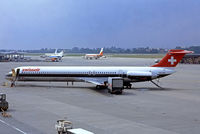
<point>98,75</point>
<point>95,56</point>
<point>54,56</point>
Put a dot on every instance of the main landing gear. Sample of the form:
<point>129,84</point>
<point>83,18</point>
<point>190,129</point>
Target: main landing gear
<point>12,84</point>
<point>119,91</point>
<point>127,85</point>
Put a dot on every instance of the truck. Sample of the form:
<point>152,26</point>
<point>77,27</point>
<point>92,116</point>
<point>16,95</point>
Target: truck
<point>115,85</point>
<point>3,102</point>
<point>62,126</point>
<point>66,127</point>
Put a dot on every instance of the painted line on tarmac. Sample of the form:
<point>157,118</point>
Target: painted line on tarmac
<point>13,127</point>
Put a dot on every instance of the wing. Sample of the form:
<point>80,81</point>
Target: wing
<point>95,80</point>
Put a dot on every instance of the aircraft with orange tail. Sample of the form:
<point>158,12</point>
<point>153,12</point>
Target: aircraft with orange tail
<point>99,75</point>
<point>95,56</point>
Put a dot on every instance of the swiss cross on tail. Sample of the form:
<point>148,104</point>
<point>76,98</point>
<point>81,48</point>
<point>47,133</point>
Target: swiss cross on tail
<point>172,58</point>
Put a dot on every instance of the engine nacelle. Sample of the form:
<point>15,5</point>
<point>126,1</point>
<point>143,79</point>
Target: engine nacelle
<point>141,74</point>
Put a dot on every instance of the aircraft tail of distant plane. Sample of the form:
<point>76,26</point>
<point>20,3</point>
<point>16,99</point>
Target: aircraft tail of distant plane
<point>101,52</point>
<point>61,53</point>
<point>56,51</point>
<point>172,58</point>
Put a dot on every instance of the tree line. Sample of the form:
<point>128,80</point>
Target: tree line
<point>141,50</point>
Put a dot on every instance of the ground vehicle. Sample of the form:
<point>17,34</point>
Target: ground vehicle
<point>115,85</point>
<point>62,126</point>
<point>3,102</point>
<point>95,56</point>
<point>66,127</point>
<point>78,131</point>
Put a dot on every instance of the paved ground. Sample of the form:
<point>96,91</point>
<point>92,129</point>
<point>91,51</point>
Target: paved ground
<point>145,109</point>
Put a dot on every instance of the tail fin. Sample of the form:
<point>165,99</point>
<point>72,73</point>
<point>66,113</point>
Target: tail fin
<point>101,52</point>
<point>61,53</point>
<point>172,58</point>
<point>56,51</point>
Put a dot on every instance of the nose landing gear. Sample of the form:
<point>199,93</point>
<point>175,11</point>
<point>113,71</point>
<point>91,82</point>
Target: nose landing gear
<point>127,85</point>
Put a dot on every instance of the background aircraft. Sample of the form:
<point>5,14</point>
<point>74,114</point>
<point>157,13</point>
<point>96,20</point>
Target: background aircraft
<point>54,56</point>
<point>95,56</point>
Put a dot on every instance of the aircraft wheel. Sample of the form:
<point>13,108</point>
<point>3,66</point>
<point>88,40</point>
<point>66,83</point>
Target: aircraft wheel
<point>98,86</point>
<point>118,93</point>
<point>12,85</point>
<point>128,86</point>
<point>5,108</point>
<point>112,92</point>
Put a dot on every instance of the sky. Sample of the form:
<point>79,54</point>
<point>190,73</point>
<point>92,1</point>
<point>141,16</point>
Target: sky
<point>35,24</point>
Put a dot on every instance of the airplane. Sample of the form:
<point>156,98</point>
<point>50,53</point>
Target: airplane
<point>95,56</point>
<point>98,75</point>
<point>54,56</point>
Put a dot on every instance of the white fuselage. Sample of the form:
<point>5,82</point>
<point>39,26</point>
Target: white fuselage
<point>95,56</point>
<point>90,56</point>
<point>76,73</point>
<point>50,55</point>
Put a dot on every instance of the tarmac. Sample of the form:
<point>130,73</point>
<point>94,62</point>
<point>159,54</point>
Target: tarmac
<point>145,109</point>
